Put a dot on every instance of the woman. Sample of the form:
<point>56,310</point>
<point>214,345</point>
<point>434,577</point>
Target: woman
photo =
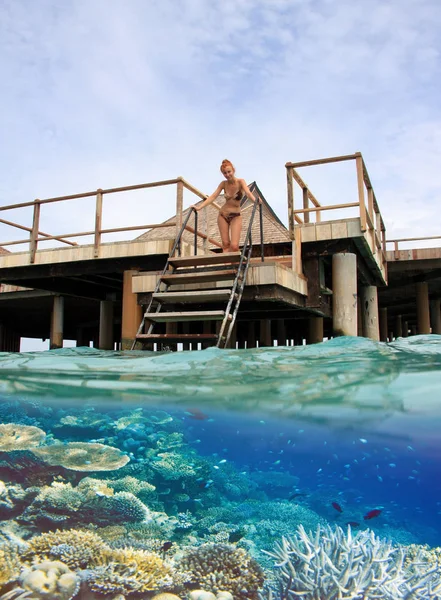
<point>229,219</point>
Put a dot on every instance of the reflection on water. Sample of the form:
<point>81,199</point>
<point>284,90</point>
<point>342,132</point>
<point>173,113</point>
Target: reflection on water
<point>142,473</point>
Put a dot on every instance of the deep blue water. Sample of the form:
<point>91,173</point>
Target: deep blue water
<point>349,422</point>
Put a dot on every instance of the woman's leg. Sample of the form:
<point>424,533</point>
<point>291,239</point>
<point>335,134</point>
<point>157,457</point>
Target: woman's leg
<point>224,230</point>
<point>235,229</point>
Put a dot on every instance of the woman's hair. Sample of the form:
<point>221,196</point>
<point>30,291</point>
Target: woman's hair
<point>226,163</point>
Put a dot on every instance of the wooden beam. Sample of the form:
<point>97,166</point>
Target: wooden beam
<point>33,243</point>
<point>321,161</point>
<point>360,186</point>
<point>98,219</point>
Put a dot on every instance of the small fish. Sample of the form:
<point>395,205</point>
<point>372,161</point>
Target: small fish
<point>353,523</point>
<point>372,514</point>
<point>195,413</point>
<point>392,465</point>
<point>411,449</point>
<point>380,479</point>
<point>166,546</point>
<point>277,462</point>
<point>223,461</point>
<point>363,441</point>
<point>337,507</point>
<point>235,536</point>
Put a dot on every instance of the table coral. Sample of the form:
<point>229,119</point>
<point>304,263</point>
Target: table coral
<point>19,437</point>
<point>223,567</point>
<point>82,456</point>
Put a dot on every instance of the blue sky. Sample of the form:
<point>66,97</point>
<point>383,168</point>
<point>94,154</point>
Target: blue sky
<point>109,93</point>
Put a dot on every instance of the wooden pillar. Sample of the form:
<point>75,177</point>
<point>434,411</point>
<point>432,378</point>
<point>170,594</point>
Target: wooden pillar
<point>281,332</point>
<point>131,312</point>
<point>398,328</point>
<point>391,336</point>
<point>265,333</point>
<point>106,341</point>
<point>315,330</point>
<point>251,340</point>
<point>186,329</point>
<point>207,327</point>
<point>82,338</point>
<point>435,315</point>
<point>344,299</point>
<point>170,329</point>
<point>233,338</point>
<point>405,327</point>
<point>383,324</point>
<point>57,320</point>
<point>413,330</point>
<point>422,300</point>
<point>369,312</point>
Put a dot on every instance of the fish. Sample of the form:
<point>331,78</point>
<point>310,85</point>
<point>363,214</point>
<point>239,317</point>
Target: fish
<point>296,495</point>
<point>166,546</point>
<point>363,441</point>
<point>353,523</point>
<point>195,413</point>
<point>372,514</point>
<point>337,507</point>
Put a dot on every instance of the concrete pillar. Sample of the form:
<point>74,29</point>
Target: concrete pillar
<point>422,300</point>
<point>281,332</point>
<point>383,324</point>
<point>435,315</point>
<point>359,318</point>
<point>251,340</point>
<point>398,327</point>
<point>405,329</point>
<point>344,298</point>
<point>314,334</point>
<point>106,325</point>
<point>131,312</point>
<point>265,333</point>
<point>57,320</point>
<point>369,312</point>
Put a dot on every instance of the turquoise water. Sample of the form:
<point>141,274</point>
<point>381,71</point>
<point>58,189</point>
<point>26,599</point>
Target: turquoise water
<point>220,447</point>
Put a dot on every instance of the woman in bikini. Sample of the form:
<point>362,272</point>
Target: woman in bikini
<point>229,219</point>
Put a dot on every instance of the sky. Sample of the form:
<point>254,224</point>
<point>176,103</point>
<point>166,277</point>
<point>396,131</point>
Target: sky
<point>100,94</point>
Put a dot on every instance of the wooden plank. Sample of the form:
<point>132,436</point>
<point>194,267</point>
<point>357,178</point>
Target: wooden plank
<point>321,161</point>
<point>179,205</point>
<point>98,219</point>
<point>305,203</point>
<point>206,259</point>
<point>176,337</point>
<point>331,207</point>
<point>33,242</point>
<point>193,296</point>
<point>199,277</point>
<point>290,188</point>
<point>360,186</point>
<point>204,236</point>
<point>177,317</point>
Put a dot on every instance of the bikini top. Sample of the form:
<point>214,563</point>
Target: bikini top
<point>237,196</point>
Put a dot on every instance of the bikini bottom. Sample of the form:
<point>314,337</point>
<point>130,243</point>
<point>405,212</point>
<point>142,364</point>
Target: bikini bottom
<point>229,217</point>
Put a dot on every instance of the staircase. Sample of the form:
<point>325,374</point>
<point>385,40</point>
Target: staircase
<point>178,297</point>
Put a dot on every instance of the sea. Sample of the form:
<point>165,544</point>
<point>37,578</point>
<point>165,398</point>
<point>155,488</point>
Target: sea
<point>242,454</point>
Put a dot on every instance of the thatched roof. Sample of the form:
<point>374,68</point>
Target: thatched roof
<point>274,231</point>
<point>4,251</point>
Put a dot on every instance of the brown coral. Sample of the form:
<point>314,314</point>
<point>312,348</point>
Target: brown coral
<point>75,548</point>
<point>223,567</point>
<point>19,437</point>
<point>82,456</point>
<point>10,563</point>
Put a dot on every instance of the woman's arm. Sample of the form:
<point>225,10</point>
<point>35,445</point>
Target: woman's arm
<point>246,190</point>
<point>210,198</point>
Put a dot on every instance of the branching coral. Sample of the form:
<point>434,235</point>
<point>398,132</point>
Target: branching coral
<point>173,466</point>
<point>19,437</point>
<point>331,564</point>
<point>82,456</point>
<point>10,563</point>
<point>223,567</point>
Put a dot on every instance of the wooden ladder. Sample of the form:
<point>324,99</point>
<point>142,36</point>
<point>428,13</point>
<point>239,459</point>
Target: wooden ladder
<point>178,298</point>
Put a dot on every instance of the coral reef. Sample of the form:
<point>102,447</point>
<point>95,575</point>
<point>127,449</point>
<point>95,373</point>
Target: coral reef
<point>82,456</point>
<point>331,564</point>
<point>50,579</point>
<point>223,567</point>
<point>174,466</point>
<point>19,437</point>
<point>10,562</point>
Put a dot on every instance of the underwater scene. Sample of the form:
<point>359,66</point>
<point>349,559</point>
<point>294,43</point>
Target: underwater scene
<point>310,472</point>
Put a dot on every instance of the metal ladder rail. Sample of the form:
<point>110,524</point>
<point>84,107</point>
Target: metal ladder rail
<point>176,245</point>
<point>241,270</point>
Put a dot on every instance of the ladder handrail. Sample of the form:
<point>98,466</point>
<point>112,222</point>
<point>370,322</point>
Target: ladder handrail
<point>177,244</point>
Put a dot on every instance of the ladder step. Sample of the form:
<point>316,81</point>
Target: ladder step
<point>206,259</point>
<point>193,297</point>
<point>199,277</point>
<point>176,317</point>
<point>177,337</point>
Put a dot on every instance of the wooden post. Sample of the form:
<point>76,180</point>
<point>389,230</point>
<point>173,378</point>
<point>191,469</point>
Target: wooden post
<point>98,219</point>
<point>344,299</point>
<point>179,204</point>
<point>369,312</point>
<point>422,301</point>
<point>435,316</point>
<point>383,324</point>
<point>370,195</point>
<point>33,243</point>
<point>106,325</point>
<point>360,185</point>
<point>251,340</point>
<point>131,312</point>
<point>265,333</point>
<point>281,332</point>
<point>398,329</point>
<point>291,219</point>
<point>405,329</point>
<point>57,320</point>
<point>305,204</point>
<point>314,333</point>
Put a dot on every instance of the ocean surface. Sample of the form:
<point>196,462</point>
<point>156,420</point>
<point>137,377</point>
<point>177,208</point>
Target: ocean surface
<point>235,447</point>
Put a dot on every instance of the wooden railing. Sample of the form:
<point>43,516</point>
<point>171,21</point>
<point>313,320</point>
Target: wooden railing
<point>396,242</point>
<point>36,235</point>
<point>369,212</point>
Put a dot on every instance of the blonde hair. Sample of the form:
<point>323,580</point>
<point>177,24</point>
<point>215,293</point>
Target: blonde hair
<point>226,163</point>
